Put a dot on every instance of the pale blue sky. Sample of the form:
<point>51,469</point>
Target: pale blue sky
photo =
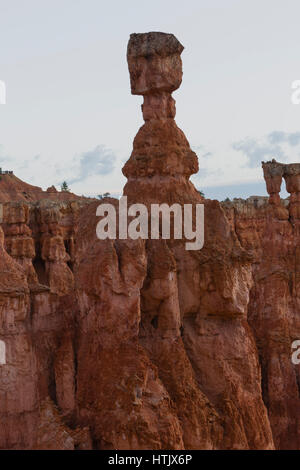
<point>70,115</point>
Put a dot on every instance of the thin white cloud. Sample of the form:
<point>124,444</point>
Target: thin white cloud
<point>99,161</point>
<point>241,161</point>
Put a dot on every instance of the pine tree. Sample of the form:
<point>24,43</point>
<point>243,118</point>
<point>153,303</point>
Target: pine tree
<point>65,187</point>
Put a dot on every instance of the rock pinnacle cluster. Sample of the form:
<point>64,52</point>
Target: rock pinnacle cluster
<point>141,344</point>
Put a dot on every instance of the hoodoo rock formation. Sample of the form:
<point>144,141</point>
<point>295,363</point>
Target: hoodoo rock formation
<point>142,344</point>
<point>273,174</point>
<point>162,160</point>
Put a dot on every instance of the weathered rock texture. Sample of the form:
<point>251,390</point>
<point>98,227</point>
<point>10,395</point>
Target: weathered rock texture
<point>273,174</point>
<point>141,344</point>
<point>272,233</point>
<point>14,189</point>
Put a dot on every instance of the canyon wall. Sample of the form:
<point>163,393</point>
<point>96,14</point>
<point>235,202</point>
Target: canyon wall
<point>271,233</point>
<point>143,344</point>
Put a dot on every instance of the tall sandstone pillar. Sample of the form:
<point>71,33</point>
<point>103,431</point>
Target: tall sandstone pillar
<point>193,303</point>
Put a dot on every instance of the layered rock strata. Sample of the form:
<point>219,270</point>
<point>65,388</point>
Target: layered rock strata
<point>273,174</point>
<point>142,344</point>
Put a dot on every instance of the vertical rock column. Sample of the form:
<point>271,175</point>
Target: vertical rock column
<point>18,375</point>
<point>54,254</point>
<point>18,238</point>
<point>273,173</point>
<point>193,303</point>
<point>292,181</point>
<point>162,160</point>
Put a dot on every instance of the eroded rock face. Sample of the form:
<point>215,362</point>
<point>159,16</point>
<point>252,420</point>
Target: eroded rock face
<point>273,310</point>
<point>14,189</point>
<point>33,328</point>
<point>155,72</point>
<point>273,174</point>
<point>142,344</point>
<point>162,160</point>
<point>195,300</point>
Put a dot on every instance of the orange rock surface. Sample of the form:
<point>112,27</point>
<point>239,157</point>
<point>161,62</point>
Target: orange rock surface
<point>142,344</point>
<point>13,188</point>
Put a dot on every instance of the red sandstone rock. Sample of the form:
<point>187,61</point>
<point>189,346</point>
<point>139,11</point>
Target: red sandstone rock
<point>273,310</point>
<point>155,72</point>
<point>273,173</point>
<point>208,294</point>
<point>52,189</point>
<point>135,344</point>
<point>14,189</point>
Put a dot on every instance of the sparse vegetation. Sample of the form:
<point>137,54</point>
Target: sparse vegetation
<point>102,196</point>
<point>64,187</point>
